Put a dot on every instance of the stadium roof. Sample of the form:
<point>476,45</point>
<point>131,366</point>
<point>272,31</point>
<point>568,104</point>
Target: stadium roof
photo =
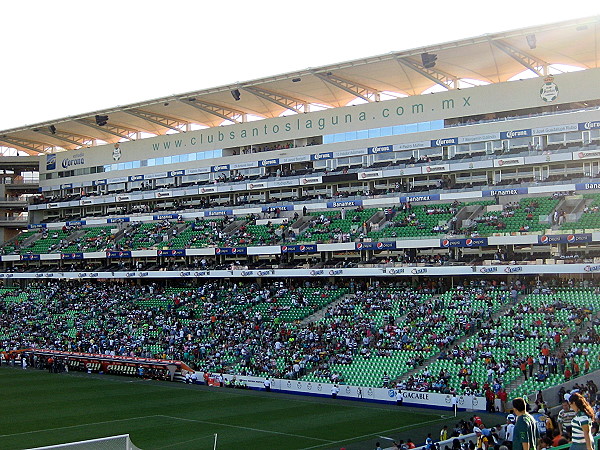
<point>491,58</point>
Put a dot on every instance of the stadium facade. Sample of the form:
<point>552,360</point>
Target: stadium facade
<point>471,151</point>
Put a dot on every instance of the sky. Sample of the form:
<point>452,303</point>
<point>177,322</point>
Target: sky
<point>66,57</point>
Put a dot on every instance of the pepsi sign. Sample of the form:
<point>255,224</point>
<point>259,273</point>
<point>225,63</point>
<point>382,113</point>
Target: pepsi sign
<point>118,254</point>
<point>71,256</point>
<point>390,245</point>
<point>30,257</point>
<point>464,243</point>
<point>172,252</point>
<point>231,251</point>
<point>308,248</point>
<point>549,239</point>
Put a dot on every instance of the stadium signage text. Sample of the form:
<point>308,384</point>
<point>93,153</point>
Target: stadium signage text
<point>586,155</point>
<point>75,160</point>
<point>344,204</point>
<point>225,212</point>
<point>502,192</point>
<point>380,149</point>
<point>375,245</point>
<point>320,156</point>
<point>515,134</point>
<point>444,142</point>
<point>420,198</point>
<point>589,126</point>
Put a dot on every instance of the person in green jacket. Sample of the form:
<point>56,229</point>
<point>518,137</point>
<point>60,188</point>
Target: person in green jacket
<point>526,434</point>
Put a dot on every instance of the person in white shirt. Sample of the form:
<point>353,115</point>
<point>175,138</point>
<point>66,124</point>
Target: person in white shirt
<point>335,390</point>
<point>510,427</point>
<point>399,397</point>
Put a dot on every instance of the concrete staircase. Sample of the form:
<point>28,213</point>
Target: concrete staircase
<point>458,342</point>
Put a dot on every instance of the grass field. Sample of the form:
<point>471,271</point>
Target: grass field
<point>39,408</point>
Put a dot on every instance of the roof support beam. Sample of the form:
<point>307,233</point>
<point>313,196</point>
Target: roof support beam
<point>359,90</point>
<point>537,66</point>
<point>216,110</point>
<point>114,129</point>
<point>437,76</point>
<point>70,138</point>
<point>158,119</point>
<point>31,147</point>
<point>284,101</point>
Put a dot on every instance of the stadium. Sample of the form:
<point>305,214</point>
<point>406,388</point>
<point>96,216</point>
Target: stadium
<point>346,255</point>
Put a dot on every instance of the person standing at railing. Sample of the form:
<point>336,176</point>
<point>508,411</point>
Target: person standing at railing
<point>581,424</point>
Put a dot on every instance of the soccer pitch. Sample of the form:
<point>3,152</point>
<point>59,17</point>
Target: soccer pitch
<point>41,408</point>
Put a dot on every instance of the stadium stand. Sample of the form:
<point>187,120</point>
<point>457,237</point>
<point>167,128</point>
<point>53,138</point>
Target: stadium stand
<point>434,244</point>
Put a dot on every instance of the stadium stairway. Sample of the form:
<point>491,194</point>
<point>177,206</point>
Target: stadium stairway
<point>317,315</point>
<point>428,362</point>
<point>233,226</point>
<point>70,239</point>
<point>565,344</point>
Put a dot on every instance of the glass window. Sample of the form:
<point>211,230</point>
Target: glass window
<point>374,132</point>
<point>399,129</point>
<point>349,136</point>
<point>151,162</point>
<point>136,164</point>
<point>191,157</point>
<point>166,160</point>
<point>387,131</point>
<point>159,161</point>
<point>424,126</point>
<point>362,134</point>
<point>412,128</point>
